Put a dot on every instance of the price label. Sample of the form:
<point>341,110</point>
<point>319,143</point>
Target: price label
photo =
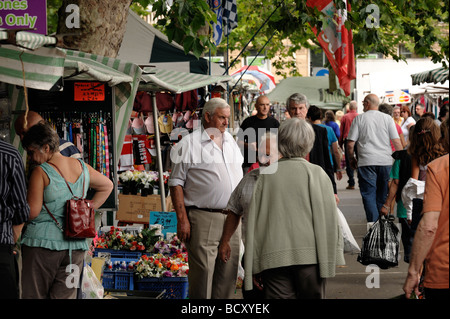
<point>89,91</point>
<point>167,219</point>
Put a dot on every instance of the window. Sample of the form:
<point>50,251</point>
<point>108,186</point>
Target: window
<point>404,52</point>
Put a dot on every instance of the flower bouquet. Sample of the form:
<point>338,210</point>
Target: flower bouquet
<point>118,240</point>
<point>169,259</point>
<point>130,181</point>
<point>160,265</point>
<point>147,182</point>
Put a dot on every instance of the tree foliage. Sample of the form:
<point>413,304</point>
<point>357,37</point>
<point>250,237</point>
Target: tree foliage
<point>422,25</point>
<point>377,27</point>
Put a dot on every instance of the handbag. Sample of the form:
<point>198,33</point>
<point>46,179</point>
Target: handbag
<point>80,215</point>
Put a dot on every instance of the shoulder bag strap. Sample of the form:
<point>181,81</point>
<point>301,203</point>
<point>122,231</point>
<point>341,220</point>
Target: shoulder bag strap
<point>51,215</point>
<point>82,173</point>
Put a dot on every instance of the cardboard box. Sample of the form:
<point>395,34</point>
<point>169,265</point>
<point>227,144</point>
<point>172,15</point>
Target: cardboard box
<point>135,208</point>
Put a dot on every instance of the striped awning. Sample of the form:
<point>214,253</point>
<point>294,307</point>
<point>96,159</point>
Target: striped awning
<point>435,76</point>
<point>29,40</point>
<point>75,65</point>
<point>156,79</point>
<point>40,69</point>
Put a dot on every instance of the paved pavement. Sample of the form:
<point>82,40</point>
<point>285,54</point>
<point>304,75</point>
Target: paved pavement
<point>354,280</point>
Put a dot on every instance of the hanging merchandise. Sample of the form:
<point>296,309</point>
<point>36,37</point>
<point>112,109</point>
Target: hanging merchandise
<point>165,124</point>
<point>89,132</point>
<point>164,101</point>
<point>141,154</point>
<point>149,124</point>
<point>126,159</point>
<point>142,102</point>
<point>186,100</point>
<point>138,125</point>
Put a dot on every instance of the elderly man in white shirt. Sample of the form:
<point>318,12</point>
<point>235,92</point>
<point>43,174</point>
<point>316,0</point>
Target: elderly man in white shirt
<point>207,168</point>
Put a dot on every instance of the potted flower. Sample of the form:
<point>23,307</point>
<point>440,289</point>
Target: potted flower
<point>147,182</point>
<point>130,180</point>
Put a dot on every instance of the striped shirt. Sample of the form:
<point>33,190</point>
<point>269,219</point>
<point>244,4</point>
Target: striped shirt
<point>14,209</point>
<point>68,149</point>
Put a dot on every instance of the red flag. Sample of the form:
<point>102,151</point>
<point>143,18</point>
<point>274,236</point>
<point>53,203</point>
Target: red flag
<point>336,41</point>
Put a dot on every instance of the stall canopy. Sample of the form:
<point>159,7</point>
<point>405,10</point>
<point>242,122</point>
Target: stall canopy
<point>315,89</point>
<point>45,68</point>
<point>157,79</point>
<point>439,75</point>
<point>143,44</point>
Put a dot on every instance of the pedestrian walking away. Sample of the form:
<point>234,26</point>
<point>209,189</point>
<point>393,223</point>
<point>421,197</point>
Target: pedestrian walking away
<point>346,123</point>
<point>372,132</point>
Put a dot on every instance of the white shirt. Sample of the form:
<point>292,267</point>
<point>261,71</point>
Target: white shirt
<point>373,131</point>
<point>405,129</point>
<point>207,174</point>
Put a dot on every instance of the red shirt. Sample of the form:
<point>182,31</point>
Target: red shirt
<point>399,131</point>
<point>346,122</point>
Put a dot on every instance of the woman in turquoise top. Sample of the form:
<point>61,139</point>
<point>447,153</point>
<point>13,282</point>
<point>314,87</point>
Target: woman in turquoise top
<point>45,251</point>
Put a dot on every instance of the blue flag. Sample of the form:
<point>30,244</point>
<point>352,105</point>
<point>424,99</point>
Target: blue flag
<point>216,6</point>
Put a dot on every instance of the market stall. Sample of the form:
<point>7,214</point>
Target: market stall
<point>431,89</point>
<point>182,105</point>
<point>78,92</point>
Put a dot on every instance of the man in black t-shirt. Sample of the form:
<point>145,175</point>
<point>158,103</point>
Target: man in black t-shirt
<point>253,128</point>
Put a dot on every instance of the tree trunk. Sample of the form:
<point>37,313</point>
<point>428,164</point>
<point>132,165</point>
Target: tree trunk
<point>101,25</point>
<point>332,80</point>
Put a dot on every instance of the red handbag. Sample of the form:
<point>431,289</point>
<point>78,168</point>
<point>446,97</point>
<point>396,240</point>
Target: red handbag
<point>80,215</point>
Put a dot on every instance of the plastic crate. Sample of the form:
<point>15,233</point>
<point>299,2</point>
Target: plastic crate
<point>175,287</point>
<point>118,280</point>
<point>132,255</point>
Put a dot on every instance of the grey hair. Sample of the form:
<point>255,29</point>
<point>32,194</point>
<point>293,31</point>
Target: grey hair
<point>211,106</point>
<point>295,138</point>
<point>297,98</point>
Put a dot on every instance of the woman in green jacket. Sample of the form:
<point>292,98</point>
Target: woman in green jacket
<point>293,239</point>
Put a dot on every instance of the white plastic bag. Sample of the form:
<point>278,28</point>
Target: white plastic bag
<point>413,189</point>
<point>91,287</point>
<point>350,244</point>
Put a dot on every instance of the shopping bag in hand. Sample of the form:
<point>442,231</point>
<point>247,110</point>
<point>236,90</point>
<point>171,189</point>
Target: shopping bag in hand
<point>380,245</point>
<point>91,286</point>
<point>350,244</point>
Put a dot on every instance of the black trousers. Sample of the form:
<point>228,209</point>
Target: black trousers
<point>8,273</point>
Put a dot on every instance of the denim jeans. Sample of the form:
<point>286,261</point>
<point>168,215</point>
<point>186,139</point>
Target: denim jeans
<point>348,169</point>
<point>373,185</point>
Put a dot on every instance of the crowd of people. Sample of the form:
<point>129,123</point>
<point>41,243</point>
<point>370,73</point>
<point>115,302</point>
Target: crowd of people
<point>273,187</point>
<point>281,202</point>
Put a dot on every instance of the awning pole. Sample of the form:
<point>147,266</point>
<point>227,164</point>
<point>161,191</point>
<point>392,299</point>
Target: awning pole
<point>158,152</point>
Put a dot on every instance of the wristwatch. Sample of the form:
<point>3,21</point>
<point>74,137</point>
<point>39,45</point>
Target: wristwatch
<point>387,207</point>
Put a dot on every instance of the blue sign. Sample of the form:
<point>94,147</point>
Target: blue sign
<point>167,219</point>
